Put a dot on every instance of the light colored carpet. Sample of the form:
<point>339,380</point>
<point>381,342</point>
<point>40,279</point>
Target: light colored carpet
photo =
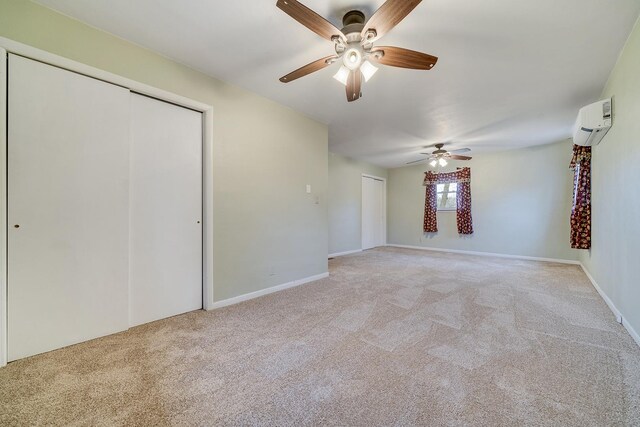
<point>394,337</point>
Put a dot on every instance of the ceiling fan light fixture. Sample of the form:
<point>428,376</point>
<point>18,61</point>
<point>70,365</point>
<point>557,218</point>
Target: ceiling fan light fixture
<point>368,70</point>
<point>442,162</point>
<point>352,59</point>
<point>342,75</point>
<point>433,163</point>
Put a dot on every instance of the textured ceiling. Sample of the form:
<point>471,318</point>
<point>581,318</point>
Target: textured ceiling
<point>510,74</point>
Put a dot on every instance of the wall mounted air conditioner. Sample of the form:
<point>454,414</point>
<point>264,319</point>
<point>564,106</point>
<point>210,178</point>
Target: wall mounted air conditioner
<point>593,123</point>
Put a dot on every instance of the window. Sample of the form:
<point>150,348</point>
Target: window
<point>447,196</point>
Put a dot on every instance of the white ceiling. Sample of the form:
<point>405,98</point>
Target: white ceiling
<point>511,73</point>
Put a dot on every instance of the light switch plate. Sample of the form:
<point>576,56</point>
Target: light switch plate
<point>308,189</point>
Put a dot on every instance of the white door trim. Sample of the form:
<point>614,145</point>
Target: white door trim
<point>384,198</point>
<point>3,207</point>
<point>11,46</point>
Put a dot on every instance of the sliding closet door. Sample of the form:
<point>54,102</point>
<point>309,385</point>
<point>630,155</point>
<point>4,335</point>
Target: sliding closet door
<point>166,210</point>
<point>373,213</point>
<point>380,212</point>
<point>67,207</point>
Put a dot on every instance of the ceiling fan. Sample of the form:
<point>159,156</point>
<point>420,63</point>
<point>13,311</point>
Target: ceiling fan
<point>354,43</point>
<point>440,156</point>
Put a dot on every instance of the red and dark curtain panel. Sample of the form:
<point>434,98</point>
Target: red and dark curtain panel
<point>581,211</point>
<point>463,197</point>
<point>463,200</point>
<point>430,224</point>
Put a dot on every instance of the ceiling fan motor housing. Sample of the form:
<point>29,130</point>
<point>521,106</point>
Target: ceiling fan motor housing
<point>353,17</point>
<point>353,22</point>
<point>439,150</point>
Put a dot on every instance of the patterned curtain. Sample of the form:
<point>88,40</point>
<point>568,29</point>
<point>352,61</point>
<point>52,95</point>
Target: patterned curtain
<point>463,197</point>
<point>430,224</point>
<point>581,211</point>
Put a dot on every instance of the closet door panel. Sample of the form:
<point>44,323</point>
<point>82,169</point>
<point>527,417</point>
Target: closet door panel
<point>166,210</point>
<point>373,213</point>
<point>367,224</point>
<point>378,212</point>
<point>68,166</point>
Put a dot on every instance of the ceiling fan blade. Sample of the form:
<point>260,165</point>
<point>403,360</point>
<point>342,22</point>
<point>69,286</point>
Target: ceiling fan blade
<point>460,150</point>
<point>354,85</point>
<point>417,161</point>
<point>310,19</point>
<point>456,157</point>
<point>308,69</point>
<point>388,16</point>
<point>404,58</point>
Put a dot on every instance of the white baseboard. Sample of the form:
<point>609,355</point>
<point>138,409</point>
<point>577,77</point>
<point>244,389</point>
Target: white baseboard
<point>632,332</point>
<point>344,253</point>
<point>256,294</point>
<point>604,296</point>
<point>619,317</point>
<point>488,254</point>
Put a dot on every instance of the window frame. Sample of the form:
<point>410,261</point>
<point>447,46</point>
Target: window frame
<point>445,193</point>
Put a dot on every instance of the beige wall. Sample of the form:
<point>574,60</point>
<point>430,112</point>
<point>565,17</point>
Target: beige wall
<point>521,202</point>
<point>613,260</point>
<point>345,201</point>
<point>267,230</point>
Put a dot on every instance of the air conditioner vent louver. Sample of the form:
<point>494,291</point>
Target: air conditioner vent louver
<point>606,109</point>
